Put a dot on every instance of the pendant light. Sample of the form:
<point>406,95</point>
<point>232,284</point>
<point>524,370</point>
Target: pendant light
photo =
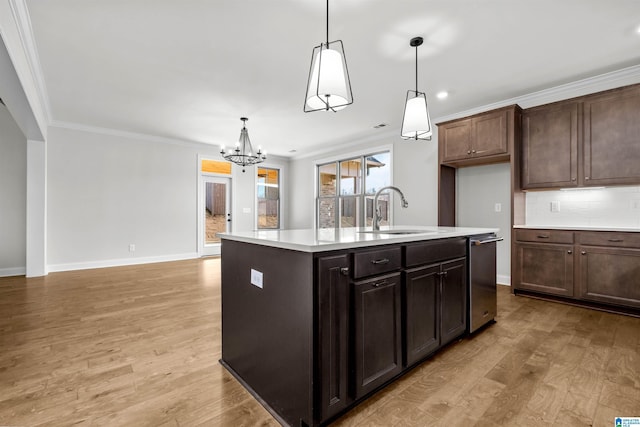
<point>328,87</point>
<point>416,123</point>
<point>242,154</point>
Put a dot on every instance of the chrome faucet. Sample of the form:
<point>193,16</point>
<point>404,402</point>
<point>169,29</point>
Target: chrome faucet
<point>376,211</point>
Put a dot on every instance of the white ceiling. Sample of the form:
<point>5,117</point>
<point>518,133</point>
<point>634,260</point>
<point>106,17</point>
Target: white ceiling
<point>188,70</point>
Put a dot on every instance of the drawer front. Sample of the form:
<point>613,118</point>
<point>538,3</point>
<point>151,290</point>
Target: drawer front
<point>609,238</point>
<point>430,252</point>
<point>544,236</point>
<point>376,262</point>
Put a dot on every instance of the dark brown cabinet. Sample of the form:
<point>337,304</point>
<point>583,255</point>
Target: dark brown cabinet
<point>377,332</point>
<point>600,268</point>
<point>422,312</point>
<point>544,267</point>
<point>453,300</point>
<point>476,139</point>
<point>333,334</point>
<point>550,146</point>
<point>609,268</point>
<point>589,141</point>
<point>435,296</point>
<point>544,261</point>
<point>612,137</point>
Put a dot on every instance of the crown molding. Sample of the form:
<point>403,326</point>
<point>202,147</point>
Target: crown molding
<point>22,19</point>
<point>384,136</point>
<point>611,80</point>
<point>129,135</point>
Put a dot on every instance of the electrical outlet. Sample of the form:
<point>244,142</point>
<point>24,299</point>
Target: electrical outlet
<point>498,207</point>
<point>132,247</point>
<point>256,278</point>
<point>555,206</point>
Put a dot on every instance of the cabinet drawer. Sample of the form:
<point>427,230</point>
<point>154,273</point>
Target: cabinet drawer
<point>544,236</point>
<point>376,262</point>
<point>609,238</point>
<point>430,252</point>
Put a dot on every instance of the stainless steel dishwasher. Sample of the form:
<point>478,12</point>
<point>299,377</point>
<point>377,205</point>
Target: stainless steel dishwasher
<point>482,280</point>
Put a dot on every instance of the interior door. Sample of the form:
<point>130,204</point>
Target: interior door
<point>215,213</point>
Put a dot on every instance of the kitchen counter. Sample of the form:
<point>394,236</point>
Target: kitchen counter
<point>578,228</point>
<point>319,240</point>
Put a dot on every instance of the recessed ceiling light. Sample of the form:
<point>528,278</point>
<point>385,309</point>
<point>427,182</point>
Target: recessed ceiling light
<point>442,95</point>
<point>381,125</point>
<point>638,30</point>
<point>293,151</point>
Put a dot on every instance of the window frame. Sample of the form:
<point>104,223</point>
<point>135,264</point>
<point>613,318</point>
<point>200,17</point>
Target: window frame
<point>257,198</point>
<point>362,196</point>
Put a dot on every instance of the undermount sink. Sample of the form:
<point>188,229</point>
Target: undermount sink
<point>398,231</point>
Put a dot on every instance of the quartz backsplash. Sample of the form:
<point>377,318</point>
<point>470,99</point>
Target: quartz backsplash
<point>587,207</point>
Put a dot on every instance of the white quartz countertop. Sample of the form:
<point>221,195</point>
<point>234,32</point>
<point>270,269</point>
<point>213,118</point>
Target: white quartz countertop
<point>319,240</point>
<point>578,228</point>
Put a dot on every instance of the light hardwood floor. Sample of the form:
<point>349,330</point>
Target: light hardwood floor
<point>140,346</point>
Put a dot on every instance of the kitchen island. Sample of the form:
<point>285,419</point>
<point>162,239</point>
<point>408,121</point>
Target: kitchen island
<point>315,321</point>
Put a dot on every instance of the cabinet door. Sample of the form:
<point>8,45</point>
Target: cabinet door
<point>422,312</point>
<point>456,140</point>
<point>550,146</point>
<point>489,134</point>
<point>612,137</point>
<point>453,300</point>
<point>545,268</point>
<point>377,332</point>
<point>332,349</point>
<point>610,275</point>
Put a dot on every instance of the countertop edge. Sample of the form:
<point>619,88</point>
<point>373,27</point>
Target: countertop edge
<point>578,228</point>
<point>371,240</point>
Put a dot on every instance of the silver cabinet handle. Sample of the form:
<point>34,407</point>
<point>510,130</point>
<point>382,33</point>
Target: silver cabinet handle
<point>378,284</point>
<point>380,261</point>
<point>344,271</point>
<point>583,252</point>
<point>543,236</point>
<point>569,251</point>
<point>616,240</point>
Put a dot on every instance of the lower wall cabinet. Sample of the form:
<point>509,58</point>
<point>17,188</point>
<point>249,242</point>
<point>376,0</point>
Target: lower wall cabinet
<point>585,266</point>
<point>381,311</point>
<point>435,307</point>
<point>377,332</point>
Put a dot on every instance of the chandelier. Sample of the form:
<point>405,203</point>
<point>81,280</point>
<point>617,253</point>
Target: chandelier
<point>243,154</point>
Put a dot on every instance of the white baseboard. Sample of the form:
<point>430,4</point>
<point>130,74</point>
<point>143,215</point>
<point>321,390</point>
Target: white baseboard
<point>503,280</point>
<point>15,271</point>
<point>120,262</point>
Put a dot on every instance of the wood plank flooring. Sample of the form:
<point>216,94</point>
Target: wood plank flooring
<point>139,346</point>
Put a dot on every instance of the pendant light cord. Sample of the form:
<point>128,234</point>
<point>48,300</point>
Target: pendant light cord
<point>327,24</point>
<point>416,70</point>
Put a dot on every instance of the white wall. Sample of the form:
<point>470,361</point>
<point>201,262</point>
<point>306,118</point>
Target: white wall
<point>479,188</point>
<point>107,191</point>
<point>414,172</point>
<point>13,200</point>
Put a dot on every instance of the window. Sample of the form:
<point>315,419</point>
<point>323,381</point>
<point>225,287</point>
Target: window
<point>347,201</point>
<point>268,191</point>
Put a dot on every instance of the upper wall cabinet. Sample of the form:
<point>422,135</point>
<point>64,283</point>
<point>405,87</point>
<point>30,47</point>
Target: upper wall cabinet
<point>480,139</point>
<point>550,146</point>
<point>588,141</point>
<point>612,137</point>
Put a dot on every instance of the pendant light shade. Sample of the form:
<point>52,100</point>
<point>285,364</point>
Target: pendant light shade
<point>416,123</point>
<point>329,86</point>
<point>243,153</point>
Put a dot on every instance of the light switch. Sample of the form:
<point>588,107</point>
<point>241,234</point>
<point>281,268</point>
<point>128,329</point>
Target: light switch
<point>498,207</point>
<point>555,206</point>
<point>256,278</point>
<point>246,210</point>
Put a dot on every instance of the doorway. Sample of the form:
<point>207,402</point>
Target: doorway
<point>214,213</point>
